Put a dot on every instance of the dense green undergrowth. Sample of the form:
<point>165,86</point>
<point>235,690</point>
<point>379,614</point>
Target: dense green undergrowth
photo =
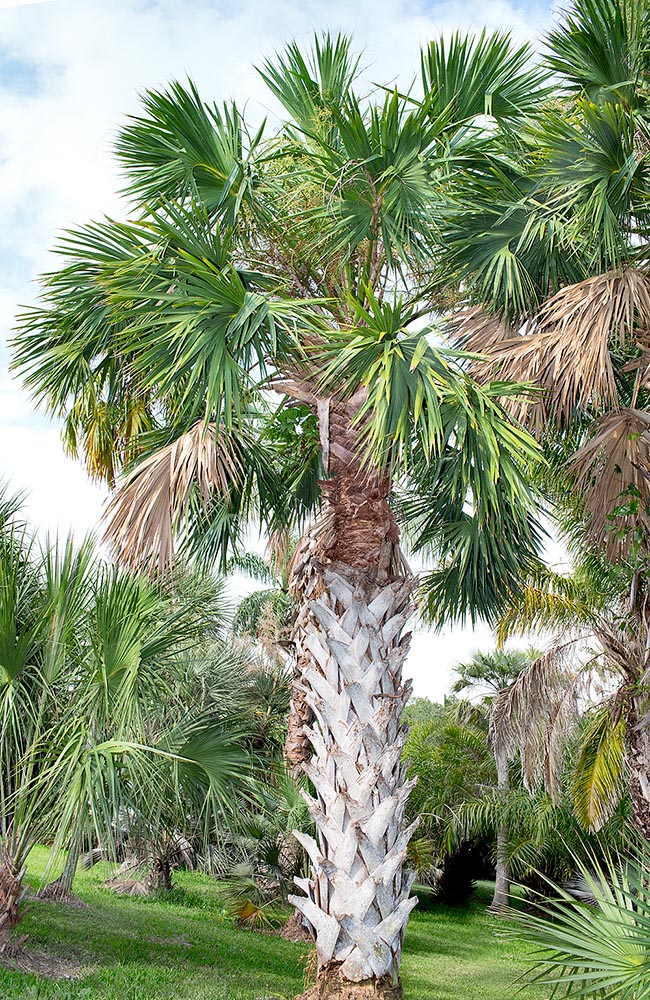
<point>186,947</point>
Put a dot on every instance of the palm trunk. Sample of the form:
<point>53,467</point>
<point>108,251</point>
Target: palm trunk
<point>501,898</point>
<point>297,748</point>
<point>10,894</point>
<point>61,888</point>
<point>355,598</point>
<point>160,874</point>
<point>638,753</point>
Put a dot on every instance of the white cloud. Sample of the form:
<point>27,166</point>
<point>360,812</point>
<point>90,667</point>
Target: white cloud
<point>5,4</point>
<point>69,73</point>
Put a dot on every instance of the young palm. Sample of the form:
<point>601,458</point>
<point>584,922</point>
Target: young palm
<point>303,263</point>
<point>87,656</point>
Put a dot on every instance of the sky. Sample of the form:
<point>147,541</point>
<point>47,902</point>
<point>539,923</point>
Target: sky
<point>70,72</point>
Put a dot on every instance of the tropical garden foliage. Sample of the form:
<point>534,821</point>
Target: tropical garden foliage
<point>97,737</point>
<point>302,262</point>
<point>421,314</point>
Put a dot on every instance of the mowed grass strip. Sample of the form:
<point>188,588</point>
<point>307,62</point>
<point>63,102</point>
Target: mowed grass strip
<point>186,947</point>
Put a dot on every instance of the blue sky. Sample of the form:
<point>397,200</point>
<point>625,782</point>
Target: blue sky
<point>69,72</point>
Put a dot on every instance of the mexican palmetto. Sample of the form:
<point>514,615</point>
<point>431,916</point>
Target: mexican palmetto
<point>262,316</point>
<point>595,945</point>
<point>551,246</point>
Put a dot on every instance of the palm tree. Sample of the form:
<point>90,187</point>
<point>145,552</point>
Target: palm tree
<point>87,655</point>
<point>305,263</point>
<point>552,248</point>
<point>594,670</point>
<point>495,671</point>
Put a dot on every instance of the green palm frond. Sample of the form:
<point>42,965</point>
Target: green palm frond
<point>550,602</point>
<point>455,501</point>
<point>179,147</point>
<point>600,49</point>
<point>483,75</point>
<point>596,950</point>
<point>312,88</point>
<point>597,148</point>
<point>598,777</point>
<point>251,565</point>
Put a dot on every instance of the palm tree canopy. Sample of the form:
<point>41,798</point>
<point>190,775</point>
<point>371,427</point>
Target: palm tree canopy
<point>303,261</point>
<point>550,244</point>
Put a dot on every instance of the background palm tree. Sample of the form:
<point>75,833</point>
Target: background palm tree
<point>594,668</point>
<point>495,671</point>
<point>304,262</point>
<point>551,244</point>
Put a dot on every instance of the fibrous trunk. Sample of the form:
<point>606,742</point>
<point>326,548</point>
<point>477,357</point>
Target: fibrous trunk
<point>297,748</point>
<point>355,598</point>
<point>160,874</point>
<point>10,894</point>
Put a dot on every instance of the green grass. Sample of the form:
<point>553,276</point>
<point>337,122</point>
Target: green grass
<point>186,947</point>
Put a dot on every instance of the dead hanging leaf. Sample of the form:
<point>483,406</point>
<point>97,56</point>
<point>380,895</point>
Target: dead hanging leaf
<point>565,349</point>
<point>522,714</point>
<point>475,329</point>
<point>614,459</point>
<point>144,512</point>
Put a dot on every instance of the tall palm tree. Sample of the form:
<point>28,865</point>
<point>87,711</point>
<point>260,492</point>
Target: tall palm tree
<point>304,263</point>
<point>551,245</point>
<point>593,673</point>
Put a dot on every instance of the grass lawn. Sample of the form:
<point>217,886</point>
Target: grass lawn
<point>186,948</point>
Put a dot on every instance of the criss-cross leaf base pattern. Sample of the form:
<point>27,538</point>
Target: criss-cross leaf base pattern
<point>350,635</point>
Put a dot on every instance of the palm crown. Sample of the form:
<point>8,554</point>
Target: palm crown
<point>303,262</point>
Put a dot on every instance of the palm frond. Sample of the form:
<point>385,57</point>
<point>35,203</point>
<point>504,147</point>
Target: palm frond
<point>610,468</point>
<point>519,721</point>
<point>598,49</point>
<point>482,75</point>
<point>598,776</point>
<point>596,950</point>
<point>566,349</point>
<point>144,513</point>
<point>180,146</point>
<point>549,602</point>
<point>312,89</point>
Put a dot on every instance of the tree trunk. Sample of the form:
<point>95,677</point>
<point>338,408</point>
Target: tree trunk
<point>61,888</point>
<point>160,875</point>
<point>638,753</point>
<point>355,593</point>
<point>10,894</point>
<point>297,748</point>
<point>501,899</point>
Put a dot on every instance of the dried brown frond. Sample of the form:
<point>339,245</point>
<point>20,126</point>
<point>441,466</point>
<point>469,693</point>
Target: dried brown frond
<point>565,349</point>
<point>524,714</point>
<point>562,718</point>
<point>474,329</point>
<point>624,639</point>
<point>279,548</point>
<point>614,459</point>
<point>144,513</point>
